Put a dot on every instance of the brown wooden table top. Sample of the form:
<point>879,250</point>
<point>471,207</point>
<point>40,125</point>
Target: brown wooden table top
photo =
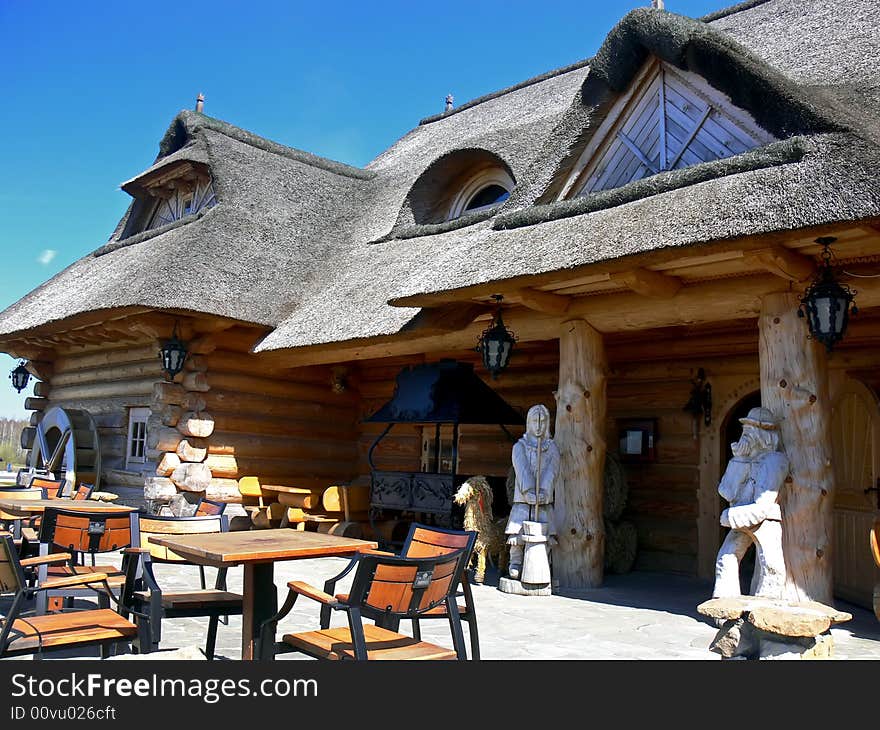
<point>36,506</point>
<point>259,546</point>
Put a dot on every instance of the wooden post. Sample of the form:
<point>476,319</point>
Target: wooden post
<point>580,425</point>
<point>794,386</point>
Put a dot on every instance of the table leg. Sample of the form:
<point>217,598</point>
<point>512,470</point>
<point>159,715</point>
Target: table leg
<point>260,603</point>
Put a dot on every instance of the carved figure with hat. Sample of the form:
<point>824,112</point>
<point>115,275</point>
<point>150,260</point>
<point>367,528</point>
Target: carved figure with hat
<point>751,484</point>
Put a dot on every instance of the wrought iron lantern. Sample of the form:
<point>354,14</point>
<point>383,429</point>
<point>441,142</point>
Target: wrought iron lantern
<point>173,354</point>
<point>827,303</point>
<point>496,343</point>
<point>20,377</point>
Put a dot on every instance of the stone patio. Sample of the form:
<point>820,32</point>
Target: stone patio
<point>634,616</point>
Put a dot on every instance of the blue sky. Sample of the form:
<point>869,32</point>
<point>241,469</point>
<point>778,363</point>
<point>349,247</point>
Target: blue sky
<point>88,88</point>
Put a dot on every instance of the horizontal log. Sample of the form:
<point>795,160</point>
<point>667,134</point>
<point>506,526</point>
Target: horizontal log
<point>192,477</point>
<point>288,427</point>
<point>195,381</point>
<point>254,445</point>
<point>168,393</point>
<point>226,361</point>
<point>271,470</point>
<point>252,404</point>
<point>36,404</point>
<point>107,357</point>
<point>358,498</point>
<point>274,387</point>
<point>169,462</point>
<point>123,371</point>
<point>42,388</point>
<point>163,438</point>
<point>170,415</point>
<point>223,490</point>
<point>192,449</point>
<point>308,499</point>
<point>199,425</point>
<point>104,389</point>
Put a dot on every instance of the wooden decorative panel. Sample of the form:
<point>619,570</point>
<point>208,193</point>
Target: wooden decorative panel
<point>668,120</point>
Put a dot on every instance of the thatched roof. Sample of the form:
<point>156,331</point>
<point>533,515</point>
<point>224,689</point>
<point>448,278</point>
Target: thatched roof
<point>317,249</point>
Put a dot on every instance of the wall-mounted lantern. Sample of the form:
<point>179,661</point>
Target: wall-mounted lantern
<point>827,303</point>
<point>173,354</point>
<point>20,377</point>
<point>496,343</point>
<point>699,403</point>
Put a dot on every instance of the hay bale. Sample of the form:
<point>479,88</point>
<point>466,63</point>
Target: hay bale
<point>616,490</point>
<point>621,545</point>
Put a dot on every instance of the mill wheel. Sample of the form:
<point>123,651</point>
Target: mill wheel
<point>66,441</point>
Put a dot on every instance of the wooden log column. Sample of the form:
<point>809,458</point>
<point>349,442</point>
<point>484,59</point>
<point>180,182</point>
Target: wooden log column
<point>794,386</point>
<point>580,423</point>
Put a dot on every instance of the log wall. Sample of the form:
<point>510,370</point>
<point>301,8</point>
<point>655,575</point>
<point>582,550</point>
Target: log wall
<point>106,382</point>
<point>231,417</point>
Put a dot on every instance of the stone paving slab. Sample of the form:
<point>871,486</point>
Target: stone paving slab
<point>634,616</point>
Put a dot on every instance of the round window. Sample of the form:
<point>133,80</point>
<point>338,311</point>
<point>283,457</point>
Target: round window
<point>489,195</point>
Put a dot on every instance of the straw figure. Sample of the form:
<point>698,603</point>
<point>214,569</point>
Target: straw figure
<point>476,496</point>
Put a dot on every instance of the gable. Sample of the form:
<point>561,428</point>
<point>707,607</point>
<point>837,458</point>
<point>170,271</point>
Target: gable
<point>667,119</point>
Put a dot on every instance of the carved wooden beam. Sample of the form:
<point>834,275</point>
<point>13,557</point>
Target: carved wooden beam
<point>543,301</point>
<point>446,318</point>
<point>782,262</point>
<point>648,283</point>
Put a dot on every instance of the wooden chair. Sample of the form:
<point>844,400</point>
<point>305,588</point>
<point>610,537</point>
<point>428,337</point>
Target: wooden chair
<point>82,534</point>
<point>21,527</point>
<point>206,507</point>
<point>83,491</point>
<point>24,633</point>
<point>426,541</point>
<point>54,487</point>
<point>385,587</point>
<point>144,593</point>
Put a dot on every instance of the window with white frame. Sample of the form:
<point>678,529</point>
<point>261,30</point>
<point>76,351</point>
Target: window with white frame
<point>136,449</point>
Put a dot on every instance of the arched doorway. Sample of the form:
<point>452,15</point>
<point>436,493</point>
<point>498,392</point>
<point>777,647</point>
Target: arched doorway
<point>855,444</point>
<point>731,430</point>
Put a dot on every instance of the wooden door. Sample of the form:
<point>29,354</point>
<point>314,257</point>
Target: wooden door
<point>855,437</point>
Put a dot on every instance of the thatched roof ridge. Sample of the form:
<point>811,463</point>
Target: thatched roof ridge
<point>724,12</point>
<point>188,123</point>
<point>502,92</point>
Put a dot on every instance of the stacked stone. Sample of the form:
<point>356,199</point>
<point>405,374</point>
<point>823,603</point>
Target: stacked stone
<point>178,434</point>
<point>752,627</point>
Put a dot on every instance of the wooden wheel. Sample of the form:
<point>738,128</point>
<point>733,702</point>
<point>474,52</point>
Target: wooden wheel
<point>66,440</point>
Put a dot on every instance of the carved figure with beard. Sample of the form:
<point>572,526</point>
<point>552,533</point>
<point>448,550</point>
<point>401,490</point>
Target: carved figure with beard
<point>751,484</point>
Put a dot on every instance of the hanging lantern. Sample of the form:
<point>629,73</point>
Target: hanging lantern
<point>173,354</point>
<point>20,377</point>
<point>496,343</point>
<point>827,303</point>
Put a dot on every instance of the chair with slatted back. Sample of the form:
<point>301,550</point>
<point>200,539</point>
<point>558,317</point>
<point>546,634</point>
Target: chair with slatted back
<point>83,491</point>
<point>54,487</point>
<point>385,588</point>
<point>206,507</point>
<point>425,541</point>
<point>21,527</point>
<point>144,593</point>
<point>24,633</point>
<point>83,534</point>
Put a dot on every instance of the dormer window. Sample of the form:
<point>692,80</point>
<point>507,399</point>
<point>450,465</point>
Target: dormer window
<point>166,193</point>
<point>484,190</point>
<point>185,199</point>
<point>667,120</point>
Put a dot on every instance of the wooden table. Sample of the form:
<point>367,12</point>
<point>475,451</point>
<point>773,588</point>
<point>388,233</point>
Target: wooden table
<point>31,507</point>
<point>257,551</point>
